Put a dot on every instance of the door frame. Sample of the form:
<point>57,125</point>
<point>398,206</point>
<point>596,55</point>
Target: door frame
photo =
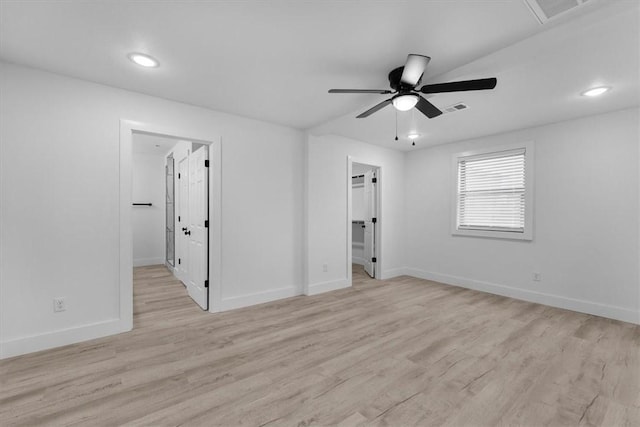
<point>379,218</point>
<point>127,129</point>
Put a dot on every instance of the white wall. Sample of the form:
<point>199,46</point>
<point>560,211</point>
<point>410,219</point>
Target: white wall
<point>148,222</point>
<point>586,219</point>
<point>327,181</point>
<point>59,204</point>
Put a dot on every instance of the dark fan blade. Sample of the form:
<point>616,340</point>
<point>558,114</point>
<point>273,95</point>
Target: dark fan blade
<point>375,108</point>
<point>461,86</point>
<point>427,108</point>
<point>413,69</point>
<point>380,91</point>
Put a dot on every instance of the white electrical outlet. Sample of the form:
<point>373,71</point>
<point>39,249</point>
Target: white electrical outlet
<point>537,277</point>
<point>325,267</point>
<point>59,304</point>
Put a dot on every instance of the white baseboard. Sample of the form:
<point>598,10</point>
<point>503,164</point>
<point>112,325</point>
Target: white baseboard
<point>141,262</point>
<point>393,272</point>
<point>258,298</point>
<point>63,337</point>
<point>333,285</point>
<point>588,307</point>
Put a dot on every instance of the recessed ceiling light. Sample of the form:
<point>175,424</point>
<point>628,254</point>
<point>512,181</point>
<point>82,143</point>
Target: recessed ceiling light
<point>404,102</point>
<point>413,135</point>
<point>143,60</point>
<point>595,91</point>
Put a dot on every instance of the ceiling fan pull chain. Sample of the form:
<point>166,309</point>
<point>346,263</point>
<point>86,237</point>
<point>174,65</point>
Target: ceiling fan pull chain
<point>396,125</point>
<point>414,125</point>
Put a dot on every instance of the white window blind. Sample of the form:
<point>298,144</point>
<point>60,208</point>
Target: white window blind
<point>491,192</point>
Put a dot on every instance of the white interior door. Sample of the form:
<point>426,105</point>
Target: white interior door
<point>369,246</point>
<point>182,242</point>
<point>369,223</point>
<point>197,277</point>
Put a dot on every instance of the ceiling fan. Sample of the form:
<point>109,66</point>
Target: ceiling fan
<point>403,81</point>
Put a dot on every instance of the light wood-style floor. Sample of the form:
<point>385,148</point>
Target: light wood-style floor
<point>400,352</point>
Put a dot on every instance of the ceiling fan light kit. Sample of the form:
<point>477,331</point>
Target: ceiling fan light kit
<point>404,80</point>
<point>404,102</point>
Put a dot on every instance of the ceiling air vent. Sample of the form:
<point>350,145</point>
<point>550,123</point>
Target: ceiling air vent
<point>545,10</point>
<point>458,106</point>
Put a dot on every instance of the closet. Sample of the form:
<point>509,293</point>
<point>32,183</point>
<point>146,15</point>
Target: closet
<point>357,219</point>
<point>364,216</point>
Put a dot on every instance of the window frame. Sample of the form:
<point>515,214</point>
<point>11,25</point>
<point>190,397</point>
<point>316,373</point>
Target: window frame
<point>527,234</point>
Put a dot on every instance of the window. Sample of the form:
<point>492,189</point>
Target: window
<point>493,193</point>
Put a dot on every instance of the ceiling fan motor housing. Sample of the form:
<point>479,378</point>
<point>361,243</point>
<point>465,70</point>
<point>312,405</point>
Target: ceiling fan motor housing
<point>394,81</point>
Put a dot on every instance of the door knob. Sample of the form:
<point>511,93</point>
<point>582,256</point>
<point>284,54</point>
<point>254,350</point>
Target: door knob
<point>184,228</point>
<point>188,233</point>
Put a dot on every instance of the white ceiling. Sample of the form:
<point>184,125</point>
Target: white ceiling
<point>276,60</point>
<point>539,81</point>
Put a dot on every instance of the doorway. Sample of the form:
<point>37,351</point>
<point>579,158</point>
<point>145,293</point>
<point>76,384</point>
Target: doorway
<point>194,205</point>
<point>364,227</point>
<point>165,232</point>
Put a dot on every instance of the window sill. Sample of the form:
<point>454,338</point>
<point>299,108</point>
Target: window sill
<point>502,235</point>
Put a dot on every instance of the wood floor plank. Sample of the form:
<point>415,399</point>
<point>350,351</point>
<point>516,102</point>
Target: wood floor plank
<point>399,352</point>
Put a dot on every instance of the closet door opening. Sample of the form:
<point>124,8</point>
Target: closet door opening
<point>364,220</point>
